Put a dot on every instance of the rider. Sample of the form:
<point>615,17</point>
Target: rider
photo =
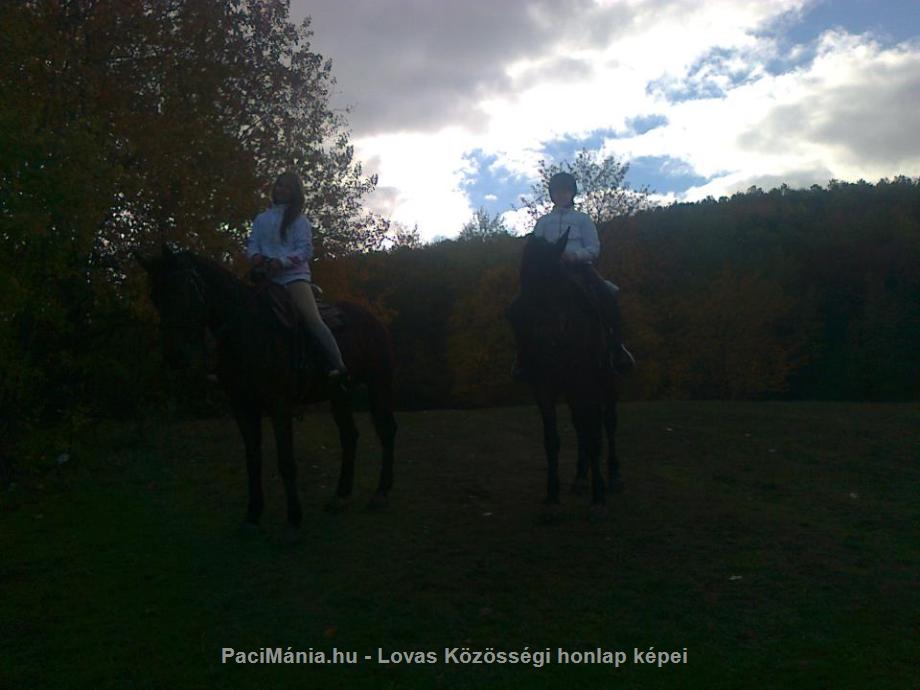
<point>281,244</point>
<point>581,251</point>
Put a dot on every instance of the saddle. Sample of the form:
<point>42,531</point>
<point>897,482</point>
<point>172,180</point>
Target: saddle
<point>277,301</point>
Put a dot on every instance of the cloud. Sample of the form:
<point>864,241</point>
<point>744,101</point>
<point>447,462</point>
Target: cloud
<point>863,103</point>
<point>456,103</point>
<point>416,65</point>
<point>846,115</point>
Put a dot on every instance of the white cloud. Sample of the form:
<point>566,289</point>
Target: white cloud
<point>432,86</point>
<point>846,115</point>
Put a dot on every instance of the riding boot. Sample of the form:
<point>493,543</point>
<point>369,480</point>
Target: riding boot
<point>621,359</point>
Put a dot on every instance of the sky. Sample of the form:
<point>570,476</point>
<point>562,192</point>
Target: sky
<point>453,104</point>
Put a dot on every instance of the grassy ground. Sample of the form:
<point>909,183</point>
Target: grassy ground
<point>777,543</point>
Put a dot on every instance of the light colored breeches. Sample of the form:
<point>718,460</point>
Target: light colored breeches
<point>302,294</point>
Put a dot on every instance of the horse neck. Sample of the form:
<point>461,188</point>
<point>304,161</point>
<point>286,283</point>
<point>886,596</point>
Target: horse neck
<point>227,296</point>
<point>540,280</point>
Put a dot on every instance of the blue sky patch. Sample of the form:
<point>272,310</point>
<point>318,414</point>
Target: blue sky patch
<point>645,123</point>
<point>891,21</point>
<point>662,174</point>
<point>709,77</point>
<point>565,149</point>
<point>491,180</point>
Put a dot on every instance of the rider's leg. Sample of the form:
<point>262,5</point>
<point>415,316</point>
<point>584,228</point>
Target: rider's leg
<point>623,360</point>
<point>302,295</point>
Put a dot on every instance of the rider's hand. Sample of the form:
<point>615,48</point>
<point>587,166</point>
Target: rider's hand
<point>275,266</point>
<point>257,260</point>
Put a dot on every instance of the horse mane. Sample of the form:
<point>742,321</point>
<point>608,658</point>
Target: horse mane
<point>552,287</point>
<point>227,283</point>
<point>538,264</point>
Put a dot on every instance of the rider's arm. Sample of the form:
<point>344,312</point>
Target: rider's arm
<point>300,241</point>
<point>254,243</point>
<point>590,247</point>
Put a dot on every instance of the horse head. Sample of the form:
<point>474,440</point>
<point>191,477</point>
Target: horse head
<point>564,331</point>
<point>178,294</point>
<point>541,262</point>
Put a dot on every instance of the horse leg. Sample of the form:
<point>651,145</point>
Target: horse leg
<point>385,426</point>
<point>284,440</point>
<point>249,420</point>
<point>547,403</point>
<point>588,421</point>
<point>615,480</point>
<point>348,438</point>
<point>580,484</point>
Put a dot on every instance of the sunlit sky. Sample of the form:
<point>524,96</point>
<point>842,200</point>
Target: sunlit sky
<point>454,103</point>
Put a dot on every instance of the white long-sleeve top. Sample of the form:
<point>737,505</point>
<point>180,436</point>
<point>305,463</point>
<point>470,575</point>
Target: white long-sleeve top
<point>294,253</point>
<point>583,245</point>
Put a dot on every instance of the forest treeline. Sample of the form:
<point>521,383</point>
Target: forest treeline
<point>782,294</point>
<point>126,125</point>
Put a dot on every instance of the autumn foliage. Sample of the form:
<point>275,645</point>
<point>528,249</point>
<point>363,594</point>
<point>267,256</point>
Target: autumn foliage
<point>783,294</point>
<point>126,124</point>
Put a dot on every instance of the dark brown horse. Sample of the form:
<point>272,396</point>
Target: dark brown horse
<point>258,368</point>
<point>557,320</point>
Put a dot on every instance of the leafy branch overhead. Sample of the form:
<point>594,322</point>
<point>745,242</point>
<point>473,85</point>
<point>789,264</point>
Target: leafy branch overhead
<point>187,111</point>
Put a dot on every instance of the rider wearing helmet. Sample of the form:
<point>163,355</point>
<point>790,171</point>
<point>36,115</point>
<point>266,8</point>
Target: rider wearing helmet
<point>581,251</point>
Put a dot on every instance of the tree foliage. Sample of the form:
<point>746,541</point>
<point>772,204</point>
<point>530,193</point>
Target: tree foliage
<point>602,191</point>
<point>403,237</point>
<point>769,294</point>
<point>127,123</point>
<point>482,226</point>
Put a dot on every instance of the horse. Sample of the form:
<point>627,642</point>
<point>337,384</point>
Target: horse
<point>257,365</point>
<point>556,319</point>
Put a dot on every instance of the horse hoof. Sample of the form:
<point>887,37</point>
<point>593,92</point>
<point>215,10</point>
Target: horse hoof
<point>337,505</point>
<point>580,486</point>
<point>378,504</point>
<point>598,513</point>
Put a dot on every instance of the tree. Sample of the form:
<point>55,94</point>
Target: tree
<point>126,123</point>
<point>193,107</point>
<point>402,236</point>
<point>482,226</point>
<point>602,192</point>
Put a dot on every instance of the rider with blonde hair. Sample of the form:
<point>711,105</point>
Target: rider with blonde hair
<point>281,244</point>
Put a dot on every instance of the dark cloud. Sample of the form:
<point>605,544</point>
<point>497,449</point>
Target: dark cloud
<point>418,65</point>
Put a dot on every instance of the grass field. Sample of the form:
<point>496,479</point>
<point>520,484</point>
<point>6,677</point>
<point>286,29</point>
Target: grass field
<point>776,542</point>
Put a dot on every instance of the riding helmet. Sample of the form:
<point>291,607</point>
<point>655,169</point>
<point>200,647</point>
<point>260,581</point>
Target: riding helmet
<point>563,180</point>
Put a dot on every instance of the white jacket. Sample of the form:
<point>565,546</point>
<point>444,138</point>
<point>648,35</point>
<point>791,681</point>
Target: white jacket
<point>583,244</point>
<point>294,253</point>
